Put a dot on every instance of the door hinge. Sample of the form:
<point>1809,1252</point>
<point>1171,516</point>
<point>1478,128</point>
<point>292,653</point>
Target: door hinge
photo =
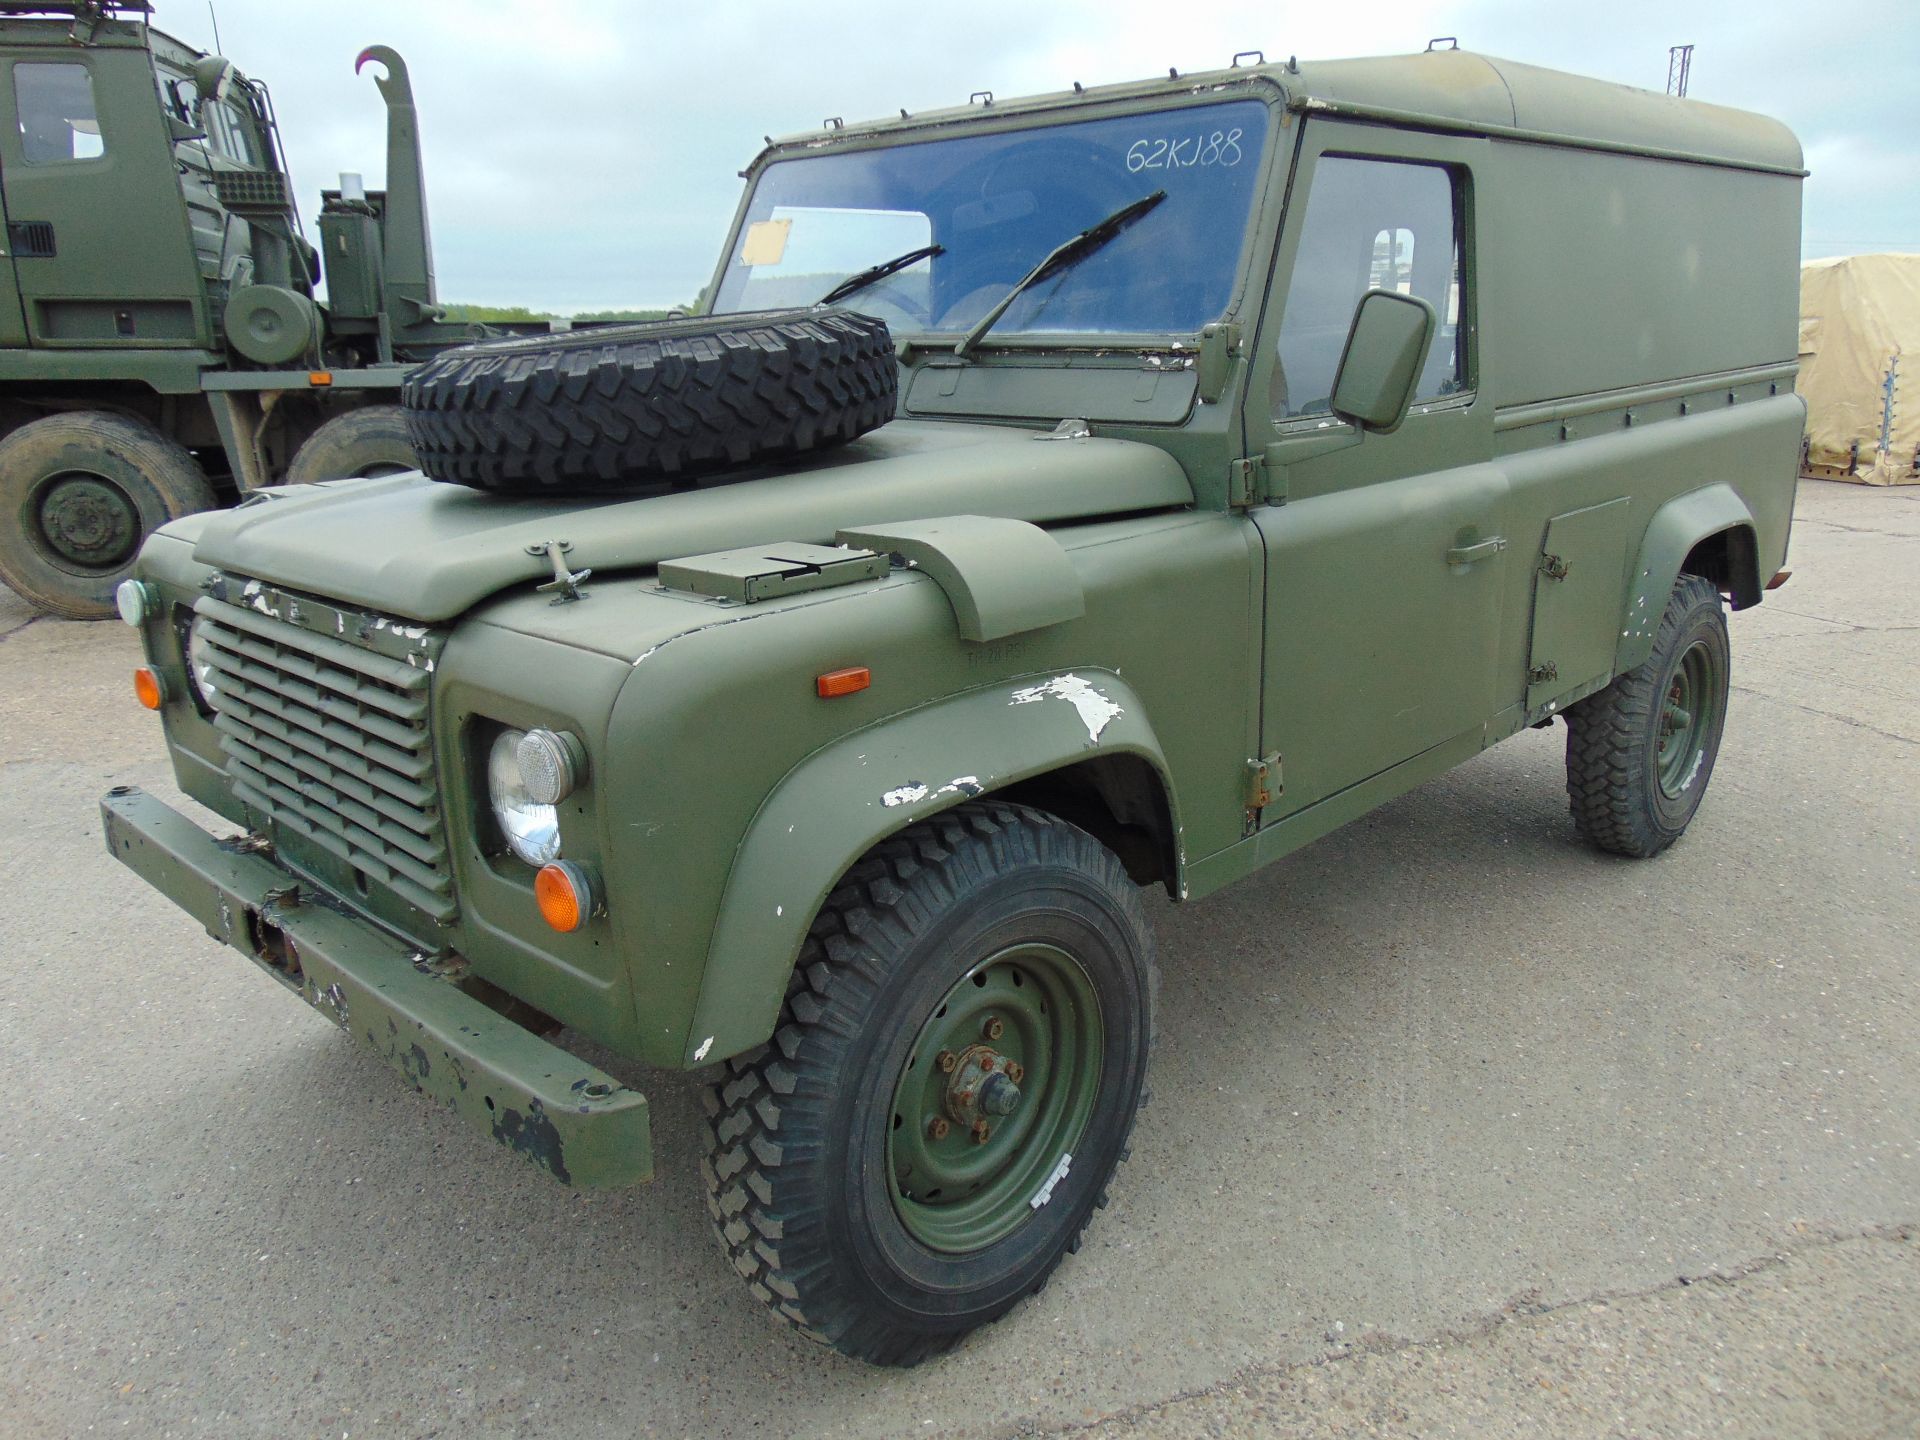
<point>1265,783</point>
<point>1553,567</point>
<point>1247,481</point>
<point>1541,674</point>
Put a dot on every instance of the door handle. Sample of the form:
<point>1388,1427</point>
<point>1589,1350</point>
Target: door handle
<point>1473,554</point>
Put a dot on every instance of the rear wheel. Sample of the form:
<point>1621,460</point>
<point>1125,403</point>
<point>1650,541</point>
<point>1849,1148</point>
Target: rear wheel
<point>79,492</point>
<point>957,1068</point>
<point>1640,752</point>
<point>371,441</point>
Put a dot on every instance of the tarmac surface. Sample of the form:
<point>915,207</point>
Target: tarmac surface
<point>1458,1128</point>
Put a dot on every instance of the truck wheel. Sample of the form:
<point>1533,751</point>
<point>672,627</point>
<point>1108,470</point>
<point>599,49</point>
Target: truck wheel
<point>1640,752</point>
<point>631,404</point>
<point>956,1071</point>
<point>79,492</point>
<point>370,441</point>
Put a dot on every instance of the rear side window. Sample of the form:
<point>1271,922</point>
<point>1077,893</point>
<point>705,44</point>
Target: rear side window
<point>1370,225</point>
<point>53,105</point>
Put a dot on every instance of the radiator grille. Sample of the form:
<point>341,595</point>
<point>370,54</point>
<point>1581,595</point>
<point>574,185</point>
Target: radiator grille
<point>331,741</point>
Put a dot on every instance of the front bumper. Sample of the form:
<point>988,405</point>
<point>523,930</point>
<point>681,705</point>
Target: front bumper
<point>576,1122</point>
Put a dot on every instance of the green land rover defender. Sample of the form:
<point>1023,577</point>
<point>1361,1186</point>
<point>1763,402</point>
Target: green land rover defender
<point>1055,497</point>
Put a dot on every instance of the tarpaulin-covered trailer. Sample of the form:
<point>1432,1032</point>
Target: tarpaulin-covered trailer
<point>1860,367</point>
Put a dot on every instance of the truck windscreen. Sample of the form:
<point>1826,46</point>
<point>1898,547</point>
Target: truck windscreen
<point>996,204</point>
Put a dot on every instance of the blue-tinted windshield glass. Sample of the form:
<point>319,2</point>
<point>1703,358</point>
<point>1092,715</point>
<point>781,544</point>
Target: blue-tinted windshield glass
<point>999,203</point>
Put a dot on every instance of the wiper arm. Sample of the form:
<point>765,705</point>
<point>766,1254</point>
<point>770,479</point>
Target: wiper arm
<point>1071,253</point>
<point>874,273</point>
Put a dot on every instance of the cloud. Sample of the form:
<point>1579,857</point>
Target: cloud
<point>584,155</point>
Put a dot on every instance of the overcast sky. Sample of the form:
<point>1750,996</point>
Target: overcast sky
<point>585,155</point>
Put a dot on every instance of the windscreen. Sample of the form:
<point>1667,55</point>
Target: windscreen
<point>998,204</point>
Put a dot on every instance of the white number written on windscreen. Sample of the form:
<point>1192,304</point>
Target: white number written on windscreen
<point>1221,147</point>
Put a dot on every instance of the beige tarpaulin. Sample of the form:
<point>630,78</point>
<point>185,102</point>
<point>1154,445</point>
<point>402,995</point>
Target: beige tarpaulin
<point>1860,367</point>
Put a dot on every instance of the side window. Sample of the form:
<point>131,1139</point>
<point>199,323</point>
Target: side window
<point>54,107</point>
<point>1370,225</point>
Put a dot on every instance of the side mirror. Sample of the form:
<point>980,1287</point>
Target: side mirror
<point>1381,365</point>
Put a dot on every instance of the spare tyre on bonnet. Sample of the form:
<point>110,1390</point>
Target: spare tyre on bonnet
<point>673,398</point>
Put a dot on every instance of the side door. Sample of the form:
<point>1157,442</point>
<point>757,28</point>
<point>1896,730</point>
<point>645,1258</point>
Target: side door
<point>13,324</point>
<point>96,223</point>
<point>1385,551</point>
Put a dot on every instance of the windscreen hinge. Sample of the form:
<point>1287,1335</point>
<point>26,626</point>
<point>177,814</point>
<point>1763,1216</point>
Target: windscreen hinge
<point>1247,481</point>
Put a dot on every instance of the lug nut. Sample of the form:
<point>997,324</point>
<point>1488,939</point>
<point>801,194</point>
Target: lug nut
<point>1016,1072</point>
<point>980,1132</point>
<point>938,1127</point>
<point>996,1027</point>
<point>946,1060</point>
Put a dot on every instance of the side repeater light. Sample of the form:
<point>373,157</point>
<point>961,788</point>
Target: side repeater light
<point>850,681</point>
<point>564,894</point>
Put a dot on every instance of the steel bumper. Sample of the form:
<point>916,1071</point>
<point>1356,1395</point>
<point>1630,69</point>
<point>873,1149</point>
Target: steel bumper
<point>577,1123</point>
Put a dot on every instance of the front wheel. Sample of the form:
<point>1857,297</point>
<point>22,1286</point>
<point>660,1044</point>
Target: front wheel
<point>1640,752</point>
<point>956,1071</point>
<point>79,491</point>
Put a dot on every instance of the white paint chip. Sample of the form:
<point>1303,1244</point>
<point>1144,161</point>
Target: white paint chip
<point>905,795</point>
<point>1096,710</point>
<point>701,1053</point>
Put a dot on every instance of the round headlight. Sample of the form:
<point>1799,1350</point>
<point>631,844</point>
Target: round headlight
<point>551,765</point>
<point>134,600</point>
<point>200,657</point>
<point>531,828</point>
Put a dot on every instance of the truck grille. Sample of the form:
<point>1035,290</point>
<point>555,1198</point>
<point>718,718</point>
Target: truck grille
<point>331,741</point>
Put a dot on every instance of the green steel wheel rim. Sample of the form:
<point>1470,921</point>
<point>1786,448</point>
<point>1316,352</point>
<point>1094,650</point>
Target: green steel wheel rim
<point>86,520</point>
<point>1688,718</point>
<point>995,1093</point>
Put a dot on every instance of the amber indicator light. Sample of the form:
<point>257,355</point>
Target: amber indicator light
<point>147,687</point>
<point>560,890</point>
<point>842,682</point>
<point>1777,581</point>
<point>319,377</point>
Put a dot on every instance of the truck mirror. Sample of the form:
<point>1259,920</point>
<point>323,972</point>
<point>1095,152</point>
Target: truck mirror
<point>1381,364</point>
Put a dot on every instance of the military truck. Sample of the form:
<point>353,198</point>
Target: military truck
<point>161,343</point>
<point>1173,472</point>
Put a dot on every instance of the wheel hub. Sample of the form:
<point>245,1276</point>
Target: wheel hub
<point>88,520</point>
<point>993,1097</point>
<point>1686,719</point>
<point>984,1086</point>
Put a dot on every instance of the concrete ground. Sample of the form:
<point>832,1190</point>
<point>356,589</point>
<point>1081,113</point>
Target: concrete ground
<point>1458,1128</point>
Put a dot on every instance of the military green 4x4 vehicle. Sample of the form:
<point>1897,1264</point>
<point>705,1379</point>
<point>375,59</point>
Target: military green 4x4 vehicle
<point>161,343</point>
<point>1231,452</point>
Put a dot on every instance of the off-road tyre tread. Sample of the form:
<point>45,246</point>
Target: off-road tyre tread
<point>757,1114</point>
<point>345,444</point>
<point>638,404</point>
<point>178,482</point>
<point>1606,739</point>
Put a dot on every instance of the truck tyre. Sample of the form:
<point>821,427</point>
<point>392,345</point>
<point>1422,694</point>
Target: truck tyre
<point>623,404</point>
<point>954,1077</point>
<point>370,441</point>
<point>79,492</point>
<point>1640,752</point>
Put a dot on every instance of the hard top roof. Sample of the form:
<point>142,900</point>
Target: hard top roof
<point>1456,90</point>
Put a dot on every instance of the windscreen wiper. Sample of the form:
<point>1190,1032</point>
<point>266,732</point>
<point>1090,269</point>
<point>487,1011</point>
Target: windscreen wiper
<point>1075,250</point>
<point>873,273</point>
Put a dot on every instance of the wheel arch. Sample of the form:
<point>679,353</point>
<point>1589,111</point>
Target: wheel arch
<point>1708,532</point>
<point>1077,745</point>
